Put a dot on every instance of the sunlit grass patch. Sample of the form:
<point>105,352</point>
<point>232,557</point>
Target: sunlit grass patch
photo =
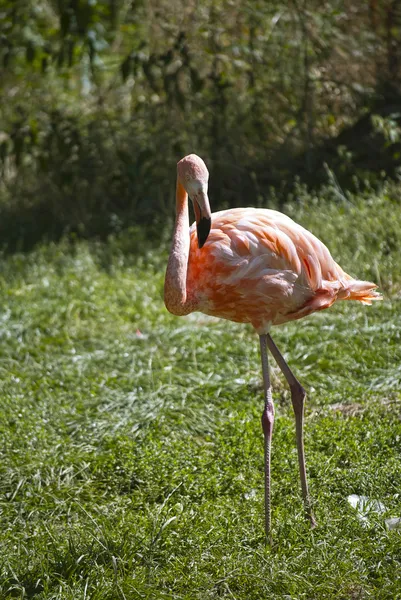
<point>131,446</point>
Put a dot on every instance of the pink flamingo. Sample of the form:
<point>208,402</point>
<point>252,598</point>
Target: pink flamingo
<point>253,266</point>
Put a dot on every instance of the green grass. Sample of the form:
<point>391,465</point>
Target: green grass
<point>131,445</point>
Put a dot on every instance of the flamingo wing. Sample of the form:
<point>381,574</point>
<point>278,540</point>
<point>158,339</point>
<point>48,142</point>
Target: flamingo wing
<point>261,267</point>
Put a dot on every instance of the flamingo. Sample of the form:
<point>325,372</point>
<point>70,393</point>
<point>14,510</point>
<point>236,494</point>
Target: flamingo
<point>257,266</point>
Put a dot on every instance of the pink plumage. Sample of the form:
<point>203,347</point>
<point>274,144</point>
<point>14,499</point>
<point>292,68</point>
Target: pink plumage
<point>260,267</point>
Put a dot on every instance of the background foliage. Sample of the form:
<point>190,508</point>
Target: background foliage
<point>100,98</point>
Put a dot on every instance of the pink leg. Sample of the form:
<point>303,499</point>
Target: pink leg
<point>298,401</point>
<point>267,425</point>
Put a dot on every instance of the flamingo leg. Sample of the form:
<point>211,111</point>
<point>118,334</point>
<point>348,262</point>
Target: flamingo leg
<point>298,395</point>
<point>267,426</point>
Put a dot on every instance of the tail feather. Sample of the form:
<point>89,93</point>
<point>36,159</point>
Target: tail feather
<point>363,291</point>
<point>324,297</point>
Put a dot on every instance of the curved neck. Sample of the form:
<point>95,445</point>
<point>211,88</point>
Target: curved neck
<point>175,284</point>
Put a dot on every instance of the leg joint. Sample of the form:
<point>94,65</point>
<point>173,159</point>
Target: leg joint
<point>297,391</point>
<point>268,420</point>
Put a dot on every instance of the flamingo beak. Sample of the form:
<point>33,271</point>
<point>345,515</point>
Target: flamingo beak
<point>203,218</point>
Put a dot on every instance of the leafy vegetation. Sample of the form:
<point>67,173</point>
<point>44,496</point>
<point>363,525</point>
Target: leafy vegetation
<point>101,98</point>
<point>131,447</point>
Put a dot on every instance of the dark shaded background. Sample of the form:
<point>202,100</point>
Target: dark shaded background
<point>100,98</point>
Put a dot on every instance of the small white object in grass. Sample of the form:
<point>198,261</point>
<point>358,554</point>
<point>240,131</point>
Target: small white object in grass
<point>393,523</point>
<point>240,381</point>
<point>364,505</point>
<point>250,495</point>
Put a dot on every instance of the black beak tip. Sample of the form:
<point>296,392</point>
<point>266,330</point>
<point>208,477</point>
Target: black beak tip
<point>203,229</point>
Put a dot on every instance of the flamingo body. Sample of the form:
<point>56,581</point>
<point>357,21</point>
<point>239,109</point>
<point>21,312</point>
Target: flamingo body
<point>253,266</point>
<point>258,266</point>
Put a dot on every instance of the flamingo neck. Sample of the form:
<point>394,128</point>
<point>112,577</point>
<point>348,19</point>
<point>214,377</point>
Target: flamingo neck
<point>175,285</point>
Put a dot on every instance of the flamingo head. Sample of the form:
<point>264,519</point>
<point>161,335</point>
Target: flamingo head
<point>193,176</point>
